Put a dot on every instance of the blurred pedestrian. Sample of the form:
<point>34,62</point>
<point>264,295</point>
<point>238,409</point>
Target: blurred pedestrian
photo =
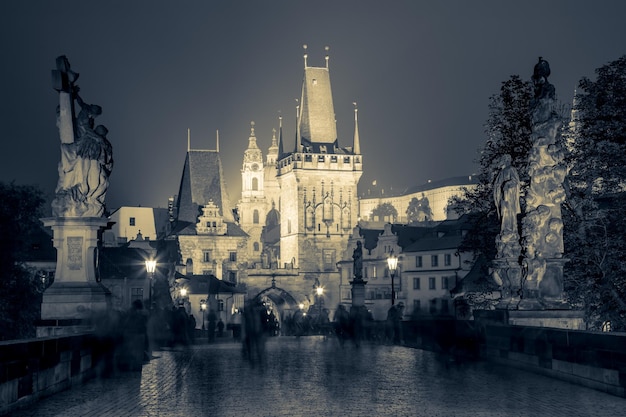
<point>135,337</point>
<point>212,320</point>
<point>254,331</point>
<point>220,328</point>
<point>341,321</point>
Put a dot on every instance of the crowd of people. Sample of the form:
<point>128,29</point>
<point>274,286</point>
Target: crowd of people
<point>127,339</point>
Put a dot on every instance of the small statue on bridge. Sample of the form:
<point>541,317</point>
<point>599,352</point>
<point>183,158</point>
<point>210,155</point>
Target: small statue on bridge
<point>357,256</point>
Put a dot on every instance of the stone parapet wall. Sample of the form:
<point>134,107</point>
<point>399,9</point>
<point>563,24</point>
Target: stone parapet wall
<point>592,359</point>
<point>35,368</point>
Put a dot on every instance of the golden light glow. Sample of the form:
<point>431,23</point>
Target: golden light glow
<point>392,262</point>
<point>151,266</point>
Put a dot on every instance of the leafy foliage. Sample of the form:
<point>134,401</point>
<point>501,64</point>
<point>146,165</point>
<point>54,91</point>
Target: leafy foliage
<point>20,291</point>
<point>596,205</point>
<point>508,130</point>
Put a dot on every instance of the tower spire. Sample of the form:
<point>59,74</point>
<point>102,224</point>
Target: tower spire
<point>356,145</point>
<point>298,143</point>
<point>217,140</point>
<point>280,137</point>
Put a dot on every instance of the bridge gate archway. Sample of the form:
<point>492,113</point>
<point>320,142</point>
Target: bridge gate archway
<point>279,302</point>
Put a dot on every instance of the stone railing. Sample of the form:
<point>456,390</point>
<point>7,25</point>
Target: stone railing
<point>35,368</point>
<point>592,359</point>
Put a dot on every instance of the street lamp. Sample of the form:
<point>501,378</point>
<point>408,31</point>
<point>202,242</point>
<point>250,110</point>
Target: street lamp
<point>203,309</point>
<point>151,268</point>
<point>320,291</point>
<point>392,264</point>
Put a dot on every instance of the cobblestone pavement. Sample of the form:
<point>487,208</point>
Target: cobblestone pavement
<point>312,376</point>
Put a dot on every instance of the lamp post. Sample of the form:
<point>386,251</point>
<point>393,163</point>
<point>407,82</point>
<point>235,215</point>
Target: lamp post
<point>392,264</point>
<point>151,268</point>
<point>183,294</point>
<point>203,309</point>
<point>320,291</point>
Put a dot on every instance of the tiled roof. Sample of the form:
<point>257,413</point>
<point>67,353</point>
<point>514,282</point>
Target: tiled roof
<point>447,182</point>
<point>202,181</point>
<point>205,284</point>
<point>317,117</point>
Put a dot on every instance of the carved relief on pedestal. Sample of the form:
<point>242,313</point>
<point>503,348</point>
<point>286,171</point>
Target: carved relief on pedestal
<point>75,252</point>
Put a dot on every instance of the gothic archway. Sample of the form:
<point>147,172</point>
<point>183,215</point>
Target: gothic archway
<point>279,302</point>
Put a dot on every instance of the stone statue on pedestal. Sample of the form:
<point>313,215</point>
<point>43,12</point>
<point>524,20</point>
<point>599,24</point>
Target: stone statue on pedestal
<point>76,298</point>
<point>542,225</point>
<point>86,153</point>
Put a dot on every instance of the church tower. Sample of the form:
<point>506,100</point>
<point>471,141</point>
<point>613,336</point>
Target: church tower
<point>318,183</point>
<point>253,206</point>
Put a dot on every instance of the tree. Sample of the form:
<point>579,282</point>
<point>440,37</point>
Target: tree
<point>385,211</point>
<point>595,209</point>
<point>20,291</point>
<point>508,130</point>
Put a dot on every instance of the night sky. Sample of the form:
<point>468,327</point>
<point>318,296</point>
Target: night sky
<point>421,73</point>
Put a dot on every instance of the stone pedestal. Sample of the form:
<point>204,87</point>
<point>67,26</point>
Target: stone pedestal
<point>358,292</point>
<point>508,273</point>
<point>546,294</point>
<point>71,302</point>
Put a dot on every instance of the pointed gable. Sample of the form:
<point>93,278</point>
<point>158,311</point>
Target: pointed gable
<point>202,181</point>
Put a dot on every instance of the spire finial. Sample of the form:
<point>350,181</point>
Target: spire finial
<point>305,54</point>
<point>252,128</point>
<point>327,48</point>
<point>356,143</point>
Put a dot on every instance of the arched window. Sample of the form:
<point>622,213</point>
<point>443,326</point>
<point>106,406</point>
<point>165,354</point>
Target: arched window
<point>255,245</point>
<point>255,216</point>
<point>189,267</point>
<point>255,184</point>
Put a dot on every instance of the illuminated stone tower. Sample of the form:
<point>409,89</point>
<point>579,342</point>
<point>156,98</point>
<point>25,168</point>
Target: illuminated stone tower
<point>254,205</point>
<point>318,184</point>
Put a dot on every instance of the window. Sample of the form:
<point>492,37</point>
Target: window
<point>206,256</point>
<point>255,216</point>
<point>416,283</point>
<point>136,294</point>
<point>434,260</point>
<point>365,273</point>
<point>386,273</point>
<point>232,256</point>
<point>447,259</point>
<point>308,158</point>
<point>444,283</point>
<point>431,283</point>
<point>255,246</point>
<point>346,159</point>
<point>433,306</point>
<point>255,184</point>
<point>418,261</point>
<point>232,276</point>
<point>374,271</point>
<point>131,221</point>
<point>417,306</point>
<point>220,305</point>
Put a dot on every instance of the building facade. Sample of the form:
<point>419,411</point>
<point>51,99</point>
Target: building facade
<point>434,195</point>
<point>309,187</point>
